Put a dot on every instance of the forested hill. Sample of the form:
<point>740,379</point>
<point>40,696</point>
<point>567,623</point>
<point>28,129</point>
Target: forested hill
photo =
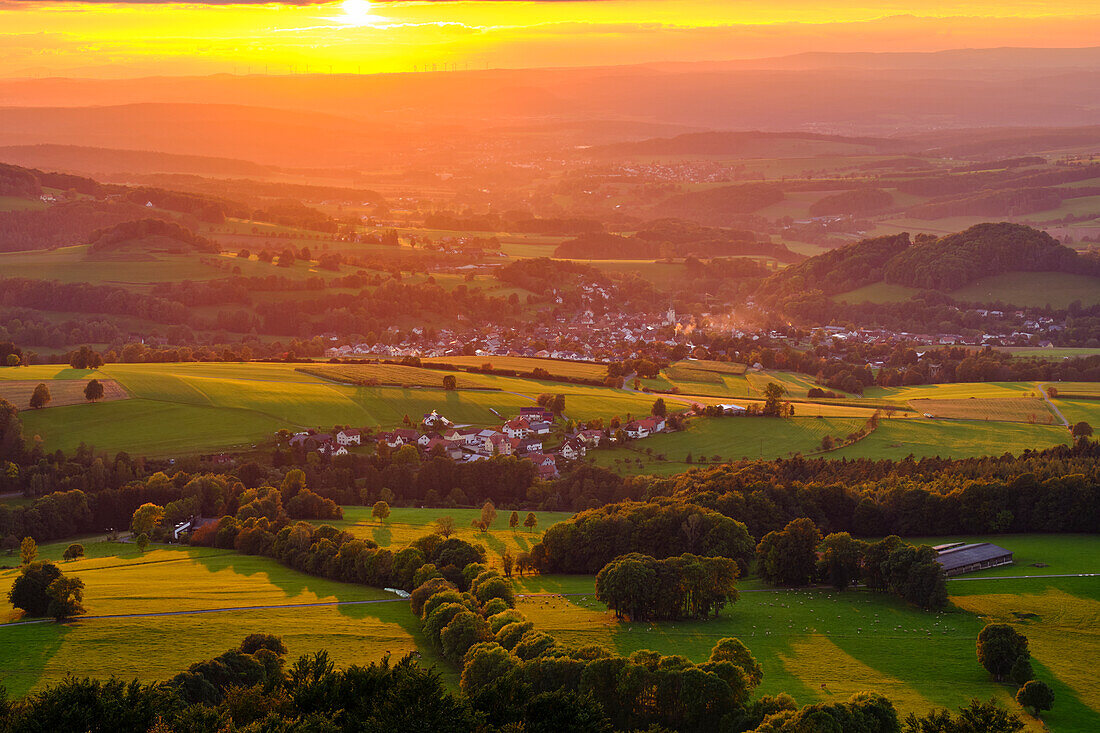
<point>845,268</point>
<point>148,234</point>
<point>950,262</point>
<point>945,264</point>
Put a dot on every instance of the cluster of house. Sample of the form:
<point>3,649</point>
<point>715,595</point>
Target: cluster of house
<point>327,444</point>
<point>572,337</point>
<point>523,436</point>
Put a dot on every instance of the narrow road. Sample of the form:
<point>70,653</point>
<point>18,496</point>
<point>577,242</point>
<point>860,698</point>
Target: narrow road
<point>1052,407</point>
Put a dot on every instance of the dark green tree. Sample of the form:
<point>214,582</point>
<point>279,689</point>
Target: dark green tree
<point>999,646</point>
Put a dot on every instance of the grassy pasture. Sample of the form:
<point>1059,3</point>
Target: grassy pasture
<point>120,580</point>
<point>803,639</point>
<point>856,641</point>
<point>959,390</point>
<point>69,264</point>
<point>706,365</point>
<point>556,367</point>
<point>62,392</point>
<point>897,439</point>
<point>407,524</point>
<point>1037,352</point>
<point>681,374</point>
<point>1008,409</point>
<point>14,203</point>
<point>1033,289</point>
<point>1085,410</point>
<point>387,374</point>
<point>1023,289</point>
<point>1076,389</point>
<point>730,438</point>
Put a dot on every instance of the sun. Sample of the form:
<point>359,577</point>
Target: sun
<point>356,12</point>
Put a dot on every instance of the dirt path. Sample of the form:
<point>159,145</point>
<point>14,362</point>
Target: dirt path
<point>1051,405</point>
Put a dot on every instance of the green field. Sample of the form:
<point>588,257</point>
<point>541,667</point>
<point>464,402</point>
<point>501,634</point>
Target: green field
<point>1023,289</point>
<point>1006,409</point>
<point>729,438</point>
<point>407,524</point>
<point>192,407</point>
<point>557,367</point>
<point>960,390</point>
<point>205,406</point>
<point>120,580</point>
<point>1033,289</point>
<point>856,641</point>
<point>897,439</point>
<point>818,645</point>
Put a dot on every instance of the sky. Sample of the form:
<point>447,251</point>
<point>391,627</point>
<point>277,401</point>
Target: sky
<point>123,39</point>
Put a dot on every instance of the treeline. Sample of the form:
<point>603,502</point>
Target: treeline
<point>994,204</point>
<point>613,246</point>
<point>373,310</point>
<point>721,206</point>
<point>932,312</point>
<point>202,207</point>
<point>797,555</point>
<point>845,367</point>
<point>1055,490</point>
<point>112,237</point>
<point>646,589</point>
<point>857,202</point>
<point>953,184</point>
<point>52,295</point>
<point>661,528</point>
<point>18,182</point>
<point>252,688</point>
<point>511,671</point>
<point>511,222</point>
<point>66,223</point>
<point>837,271</point>
<point>539,274</point>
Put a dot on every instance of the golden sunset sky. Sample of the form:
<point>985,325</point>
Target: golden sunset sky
<point>97,39</point>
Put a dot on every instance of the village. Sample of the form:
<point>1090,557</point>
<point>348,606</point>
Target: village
<point>531,435</point>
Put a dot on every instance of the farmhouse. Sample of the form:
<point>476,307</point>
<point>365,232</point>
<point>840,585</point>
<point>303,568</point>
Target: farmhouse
<point>349,436</point>
<point>573,448</point>
<point>591,438</point>
<point>536,413</point>
<point>517,428</point>
<point>959,557</point>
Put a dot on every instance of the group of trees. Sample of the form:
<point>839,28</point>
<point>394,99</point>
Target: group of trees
<point>127,232</point>
<point>798,555</point>
<point>515,674</point>
<point>1003,651</point>
<point>645,589</point>
<point>955,260</point>
<point>659,529</point>
<point>1053,490</point>
<point>252,688</point>
<point>41,589</point>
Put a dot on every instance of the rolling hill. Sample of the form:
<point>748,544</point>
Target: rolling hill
<point>985,263</point>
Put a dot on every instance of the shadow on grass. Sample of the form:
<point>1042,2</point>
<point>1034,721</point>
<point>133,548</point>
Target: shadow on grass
<point>1068,714</point>
<point>382,535</point>
<point>25,651</point>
